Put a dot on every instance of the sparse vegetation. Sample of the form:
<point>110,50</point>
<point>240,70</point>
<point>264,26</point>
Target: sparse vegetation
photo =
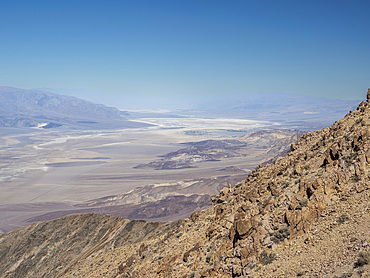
<point>343,218</point>
<point>320,172</point>
<point>363,258</point>
<point>361,122</point>
<point>302,203</point>
<point>267,258</point>
<point>349,158</point>
<point>356,178</point>
<point>285,185</point>
<point>281,234</point>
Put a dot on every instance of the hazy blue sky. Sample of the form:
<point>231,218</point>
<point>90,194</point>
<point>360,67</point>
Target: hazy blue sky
<point>319,48</point>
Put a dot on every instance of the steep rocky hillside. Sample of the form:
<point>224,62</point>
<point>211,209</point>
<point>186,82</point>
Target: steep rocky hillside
<point>305,214</point>
<point>49,248</point>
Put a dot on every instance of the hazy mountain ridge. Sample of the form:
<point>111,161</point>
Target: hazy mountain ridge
<point>32,108</point>
<point>315,197</point>
<point>291,110</point>
<point>287,109</point>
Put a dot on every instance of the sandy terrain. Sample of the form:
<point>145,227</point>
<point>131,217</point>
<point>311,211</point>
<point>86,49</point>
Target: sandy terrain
<point>59,168</point>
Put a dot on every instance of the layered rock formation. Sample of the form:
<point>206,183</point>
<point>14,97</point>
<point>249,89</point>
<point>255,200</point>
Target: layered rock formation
<point>305,214</point>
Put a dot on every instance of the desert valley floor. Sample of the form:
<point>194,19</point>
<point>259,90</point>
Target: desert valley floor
<point>48,170</point>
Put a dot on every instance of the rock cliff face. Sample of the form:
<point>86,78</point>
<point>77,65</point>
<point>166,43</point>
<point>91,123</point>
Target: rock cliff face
<point>305,214</point>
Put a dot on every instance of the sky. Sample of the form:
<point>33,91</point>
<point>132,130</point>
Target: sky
<point>316,48</point>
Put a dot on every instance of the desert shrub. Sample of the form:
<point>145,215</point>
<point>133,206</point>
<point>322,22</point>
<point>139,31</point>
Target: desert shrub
<point>360,272</point>
<point>349,158</point>
<point>285,185</point>
<point>343,218</point>
<point>130,225</point>
<point>356,178</point>
<point>358,121</point>
<point>363,258</point>
<point>266,258</point>
<point>302,203</point>
<point>320,172</point>
<point>239,184</point>
<point>281,234</point>
<point>361,122</point>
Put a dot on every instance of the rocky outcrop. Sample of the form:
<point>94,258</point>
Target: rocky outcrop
<point>320,190</point>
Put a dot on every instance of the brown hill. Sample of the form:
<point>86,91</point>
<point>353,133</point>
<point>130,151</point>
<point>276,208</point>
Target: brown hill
<point>306,214</point>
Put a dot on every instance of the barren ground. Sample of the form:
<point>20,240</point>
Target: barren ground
<point>48,170</point>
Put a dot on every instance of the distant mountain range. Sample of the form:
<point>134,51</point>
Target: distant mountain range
<point>288,109</point>
<point>54,107</point>
<point>291,110</point>
<point>35,108</point>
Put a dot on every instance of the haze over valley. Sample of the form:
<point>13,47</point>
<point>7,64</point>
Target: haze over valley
<point>161,165</point>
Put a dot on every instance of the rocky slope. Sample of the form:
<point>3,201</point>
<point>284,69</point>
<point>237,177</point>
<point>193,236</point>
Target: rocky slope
<point>306,214</point>
<point>47,249</point>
